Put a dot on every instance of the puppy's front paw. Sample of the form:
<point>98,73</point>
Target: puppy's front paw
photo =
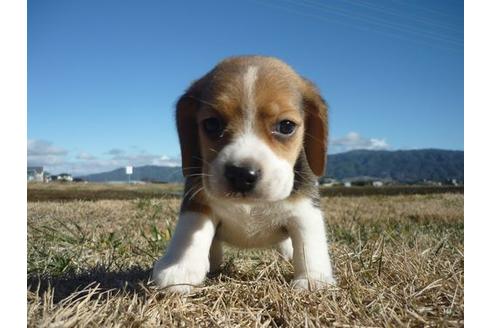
<point>313,282</point>
<point>179,277</point>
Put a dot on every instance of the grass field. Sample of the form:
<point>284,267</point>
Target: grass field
<point>39,192</point>
<point>398,261</point>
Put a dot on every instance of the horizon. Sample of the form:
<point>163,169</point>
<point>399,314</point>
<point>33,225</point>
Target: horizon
<point>178,165</point>
<point>101,95</point>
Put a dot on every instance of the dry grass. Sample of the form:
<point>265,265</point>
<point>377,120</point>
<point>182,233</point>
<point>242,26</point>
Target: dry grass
<point>398,261</point>
<point>97,191</point>
<point>100,191</point>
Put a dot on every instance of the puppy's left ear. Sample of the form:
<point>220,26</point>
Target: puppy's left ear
<point>316,128</point>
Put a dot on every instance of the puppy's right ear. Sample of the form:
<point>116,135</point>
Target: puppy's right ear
<point>187,124</point>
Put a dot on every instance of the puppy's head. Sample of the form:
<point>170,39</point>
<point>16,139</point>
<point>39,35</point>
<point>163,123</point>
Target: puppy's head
<point>244,125</point>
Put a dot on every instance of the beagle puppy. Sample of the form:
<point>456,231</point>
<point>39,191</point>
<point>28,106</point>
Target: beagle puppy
<point>253,137</point>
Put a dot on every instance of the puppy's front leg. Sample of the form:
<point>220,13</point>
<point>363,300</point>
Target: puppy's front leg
<point>312,266</point>
<point>186,262</point>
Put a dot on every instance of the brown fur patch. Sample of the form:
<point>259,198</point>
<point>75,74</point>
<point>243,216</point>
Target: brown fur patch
<point>277,97</point>
<point>194,199</point>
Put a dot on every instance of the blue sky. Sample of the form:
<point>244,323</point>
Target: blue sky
<point>103,76</point>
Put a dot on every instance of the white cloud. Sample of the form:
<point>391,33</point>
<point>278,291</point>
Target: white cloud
<point>57,160</point>
<point>144,158</point>
<point>44,153</point>
<point>353,141</point>
<point>115,152</point>
<point>101,164</point>
<point>86,156</point>
<point>43,148</point>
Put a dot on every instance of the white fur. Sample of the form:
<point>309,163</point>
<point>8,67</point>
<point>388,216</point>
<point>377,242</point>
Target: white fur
<point>250,226</point>
<point>285,249</point>
<point>312,266</point>
<point>249,107</point>
<point>296,228</point>
<point>267,224</point>
<point>277,174</point>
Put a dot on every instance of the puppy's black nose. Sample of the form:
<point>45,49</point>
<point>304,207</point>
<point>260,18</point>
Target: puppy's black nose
<point>241,178</point>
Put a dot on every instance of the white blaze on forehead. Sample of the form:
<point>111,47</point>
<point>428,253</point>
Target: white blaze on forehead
<point>246,148</point>
<point>249,106</point>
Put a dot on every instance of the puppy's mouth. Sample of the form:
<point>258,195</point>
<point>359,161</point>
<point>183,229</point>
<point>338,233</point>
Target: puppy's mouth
<point>222,191</point>
<point>244,197</point>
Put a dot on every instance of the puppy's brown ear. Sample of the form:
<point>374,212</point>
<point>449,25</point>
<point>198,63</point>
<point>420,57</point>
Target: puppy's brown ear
<point>187,124</point>
<point>316,129</point>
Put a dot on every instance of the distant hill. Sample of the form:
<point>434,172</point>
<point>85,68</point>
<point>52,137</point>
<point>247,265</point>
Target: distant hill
<point>400,165</point>
<point>141,173</point>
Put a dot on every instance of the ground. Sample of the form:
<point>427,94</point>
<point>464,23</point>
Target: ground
<point>398,261</point>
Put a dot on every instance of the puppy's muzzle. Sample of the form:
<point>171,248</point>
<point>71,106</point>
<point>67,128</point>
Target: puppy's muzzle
<point>242,178</point>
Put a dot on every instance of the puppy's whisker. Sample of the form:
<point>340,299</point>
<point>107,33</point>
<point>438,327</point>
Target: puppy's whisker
<point>191,167</point>
<point>302,180</point>
<point>301,174</point>
<point>192,189</point>
<point>200,175</point>
<point>302,177</point>
<point>314,137</point>
<point>196,193</point>
<point>202,101</point>
<point>201,159</point>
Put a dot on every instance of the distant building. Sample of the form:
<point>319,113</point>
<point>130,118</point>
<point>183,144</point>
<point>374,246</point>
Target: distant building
<point>452,182</point>
<point>327,181</point>
<point>65,177</point>
<point>46,176</point>
<point>432,182</point>
<point>35,173</point>
<point>366,181</point>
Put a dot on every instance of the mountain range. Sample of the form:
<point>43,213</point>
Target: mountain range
<point>400,165</point>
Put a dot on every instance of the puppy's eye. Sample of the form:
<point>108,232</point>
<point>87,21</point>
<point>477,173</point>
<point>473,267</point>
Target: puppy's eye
<point>213,127</point>
<point>285,128</point>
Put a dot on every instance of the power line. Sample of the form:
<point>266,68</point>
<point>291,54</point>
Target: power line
<point>428,10</point>
<point>372,20</point>
<point>395,13</point>
<point>445,46</point>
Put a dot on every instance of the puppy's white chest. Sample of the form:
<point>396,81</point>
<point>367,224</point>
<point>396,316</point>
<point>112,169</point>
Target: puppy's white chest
<point>251,225</point>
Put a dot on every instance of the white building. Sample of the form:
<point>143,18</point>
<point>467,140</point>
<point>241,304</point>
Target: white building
<point>65,177</point>
<point>327,182</point>
<point>35,173</point>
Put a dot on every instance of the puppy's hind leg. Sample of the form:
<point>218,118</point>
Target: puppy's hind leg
<point>215,255</point>
<point>285,249</point>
